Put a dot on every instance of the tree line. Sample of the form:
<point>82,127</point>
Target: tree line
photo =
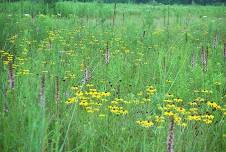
<point>201,2</point>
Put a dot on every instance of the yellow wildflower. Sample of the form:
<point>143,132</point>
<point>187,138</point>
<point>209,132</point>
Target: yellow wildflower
<point>194,117</point>
<point>168,113</point>
<point>214,105</point>
<point>145,123</point>
<point>71,100</point>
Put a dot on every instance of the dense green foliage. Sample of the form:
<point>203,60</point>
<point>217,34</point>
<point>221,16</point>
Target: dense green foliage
<point>98,77</point>
<point>202,2</point>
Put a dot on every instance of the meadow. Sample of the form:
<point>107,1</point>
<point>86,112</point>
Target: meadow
<point>116,78</point>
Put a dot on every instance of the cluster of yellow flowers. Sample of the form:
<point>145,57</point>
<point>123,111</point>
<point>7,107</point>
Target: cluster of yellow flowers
<point>175,100</point>
<point>71,100</point>
<point>117,101</point>
<point>13,39</point>
<point>176,112</point>
<point>6,57</point>
<point>172,109</point>
<point>118,110</point>
<point>204,91</point>
<point>151,121</point>
<point>159,119</point>
<point>197,101</point>
<point>52,35</point>
<point>145,123</point>
<point>90,100</point>
<point>207,119</point>
<point>214,105</point>
<point>172,106</point>
<point>151,90</point>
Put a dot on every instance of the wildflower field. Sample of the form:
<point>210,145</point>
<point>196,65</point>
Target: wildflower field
<point>99,77</point>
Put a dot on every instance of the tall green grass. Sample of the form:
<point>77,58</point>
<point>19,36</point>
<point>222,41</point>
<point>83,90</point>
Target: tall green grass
<point>61,42</point>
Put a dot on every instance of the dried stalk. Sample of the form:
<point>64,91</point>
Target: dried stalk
<point>11,76</point>
<point>193,59</point>
<point>225,50</point>
<point>107,55</point>
<point>42,92</point>
<point>204,56</point>
<point>87,76</point>
<point>170,138</point>
<point>215,41</point>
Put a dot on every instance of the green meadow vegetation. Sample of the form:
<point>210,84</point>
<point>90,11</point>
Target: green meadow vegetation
<point>98,77</point>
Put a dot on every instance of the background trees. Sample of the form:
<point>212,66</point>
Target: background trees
<point>201,2</point>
